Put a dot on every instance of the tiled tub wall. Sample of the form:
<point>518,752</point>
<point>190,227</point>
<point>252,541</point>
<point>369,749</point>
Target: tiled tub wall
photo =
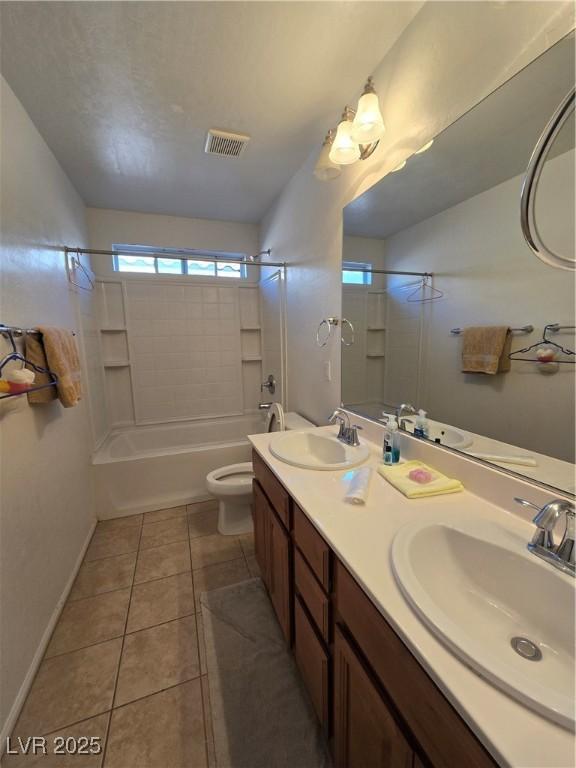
<point>173,350</point>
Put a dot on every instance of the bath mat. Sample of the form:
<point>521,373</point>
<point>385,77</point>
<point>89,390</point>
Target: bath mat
<point>261,714</point>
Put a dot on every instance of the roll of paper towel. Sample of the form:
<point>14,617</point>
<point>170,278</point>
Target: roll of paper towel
<point>359,486</point>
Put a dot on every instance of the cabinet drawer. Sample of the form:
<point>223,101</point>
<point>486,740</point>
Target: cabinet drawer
<point>312,595</point>
<point>273,488</point>
<point>312,661</point>
<point>443,735</point>
<point>315,550</point>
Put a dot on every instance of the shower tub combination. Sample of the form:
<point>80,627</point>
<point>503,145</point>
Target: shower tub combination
<point>144,468</point>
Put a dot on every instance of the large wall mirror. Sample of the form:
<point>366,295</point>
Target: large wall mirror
<point>435,248</point>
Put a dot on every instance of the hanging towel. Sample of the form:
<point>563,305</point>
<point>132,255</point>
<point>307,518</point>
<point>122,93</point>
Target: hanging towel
<point>485,349</point>
<point>34,351</point>
<point>398,477</point>
<point>63,359</point>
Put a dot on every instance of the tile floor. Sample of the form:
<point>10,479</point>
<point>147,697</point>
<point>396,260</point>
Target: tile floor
<point>126,661</point>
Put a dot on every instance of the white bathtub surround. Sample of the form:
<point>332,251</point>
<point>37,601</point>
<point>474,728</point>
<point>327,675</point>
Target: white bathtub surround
<point>362,537</point>
<point>144,468</point>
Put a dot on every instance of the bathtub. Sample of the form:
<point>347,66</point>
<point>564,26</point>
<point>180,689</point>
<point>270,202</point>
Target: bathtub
<point>144,468</point>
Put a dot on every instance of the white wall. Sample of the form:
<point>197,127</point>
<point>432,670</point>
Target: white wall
<point>106,227</point>
<point>447,59</point>
<point>490,277</point>
<point>47,500</point>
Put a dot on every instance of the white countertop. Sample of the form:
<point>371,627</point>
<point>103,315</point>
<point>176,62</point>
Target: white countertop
<point>361,536</point>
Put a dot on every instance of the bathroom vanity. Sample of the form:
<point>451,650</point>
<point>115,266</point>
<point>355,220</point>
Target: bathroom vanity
<point>385,691</point>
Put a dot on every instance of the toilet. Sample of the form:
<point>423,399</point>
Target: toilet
<point>232,485</point>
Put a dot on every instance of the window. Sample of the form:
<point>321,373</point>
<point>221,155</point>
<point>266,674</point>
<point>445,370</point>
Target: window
<point>351,274</point>
<point>133,259</point>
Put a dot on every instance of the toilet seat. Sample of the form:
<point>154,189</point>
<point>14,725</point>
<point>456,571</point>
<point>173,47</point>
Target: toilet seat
<point>233,480</point>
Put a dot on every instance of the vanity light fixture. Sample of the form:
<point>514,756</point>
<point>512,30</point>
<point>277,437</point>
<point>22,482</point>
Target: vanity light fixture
<point>356,137</point>
<point>326,169</point>
<point>399,167</point>
<point>425,147</point>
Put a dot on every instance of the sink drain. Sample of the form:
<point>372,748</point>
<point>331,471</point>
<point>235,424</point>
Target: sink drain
<point>526,648</point>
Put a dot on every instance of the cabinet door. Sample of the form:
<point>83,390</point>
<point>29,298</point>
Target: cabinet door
<point>261,514</point>
<point>312,661</point>
<point>365,733</point>
<point>279,573</point>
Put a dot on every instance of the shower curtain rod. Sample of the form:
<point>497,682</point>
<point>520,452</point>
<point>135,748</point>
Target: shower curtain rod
<point>167,255</point>
<point>387,272</point>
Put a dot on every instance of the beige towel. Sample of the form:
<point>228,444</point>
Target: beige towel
<point>63,359</point>
<point>35,354</point>
<point>485,349</point>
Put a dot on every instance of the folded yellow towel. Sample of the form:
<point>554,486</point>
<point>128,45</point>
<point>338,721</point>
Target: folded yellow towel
<point>397,475</point>
<point>485,349</point>
<point>36,354</point>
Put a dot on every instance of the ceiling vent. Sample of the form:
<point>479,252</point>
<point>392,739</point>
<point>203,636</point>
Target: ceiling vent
<point>225,144</point>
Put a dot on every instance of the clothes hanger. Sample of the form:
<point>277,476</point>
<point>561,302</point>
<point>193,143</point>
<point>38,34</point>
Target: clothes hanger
<point>425,283</point>
<point>15,355</point>
<point>545,341</point>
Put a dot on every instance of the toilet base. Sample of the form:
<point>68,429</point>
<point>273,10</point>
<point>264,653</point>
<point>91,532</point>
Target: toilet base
<point>235,518</point>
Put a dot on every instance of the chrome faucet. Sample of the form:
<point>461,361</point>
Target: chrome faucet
<point>563,555</point>
<point>404,408</point>
<point>347,433</point>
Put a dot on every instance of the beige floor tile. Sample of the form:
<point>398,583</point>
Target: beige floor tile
<point>210,748</point>
<point>109,543</point>
<point>70,688</point>
<point>220,575</point>
<point>164,532</point>
<point>208,550</point>
<point>203,522</point>
<point>118,524</point>
<point>157,658</point>
<point>162,561</point>
<point>162,731</point>
<point>89,621</point>
<point>164,514</point>
<point>201,643</point>
<point>201,506</point>
<point>100,576</point>
<point>247,543</point>
<point>155,602</point>
<point>94,728</point>
<point>253,567</point>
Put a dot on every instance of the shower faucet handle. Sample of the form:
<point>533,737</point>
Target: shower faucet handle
<point>269,384</point>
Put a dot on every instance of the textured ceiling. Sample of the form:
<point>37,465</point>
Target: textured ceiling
<point>124,92</point>
<point>488,145</point>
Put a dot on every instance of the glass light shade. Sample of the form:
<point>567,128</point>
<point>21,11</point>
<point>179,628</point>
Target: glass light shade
<point>368,125</point>
<point>399,167</point>
<point>344,150</point>
<point>325,169</point>
<point>425,147</point>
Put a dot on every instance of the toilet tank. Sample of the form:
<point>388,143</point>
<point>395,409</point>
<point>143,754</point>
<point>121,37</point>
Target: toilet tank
<point>293,420</point>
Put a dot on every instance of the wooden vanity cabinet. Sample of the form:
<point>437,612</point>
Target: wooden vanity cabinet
<point>365,733</point>
<point>374,700</point>
<point>273,553</point>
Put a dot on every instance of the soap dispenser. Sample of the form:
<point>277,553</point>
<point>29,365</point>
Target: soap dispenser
<point>421,428</point>
<point>391,446</point>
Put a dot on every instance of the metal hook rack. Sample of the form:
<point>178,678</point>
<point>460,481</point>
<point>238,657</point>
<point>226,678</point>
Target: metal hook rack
<point>9,332</point>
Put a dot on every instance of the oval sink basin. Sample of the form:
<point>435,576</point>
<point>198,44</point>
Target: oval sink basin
<point>311,451</point>
<point>449,436</point>
<point>507,614</point>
